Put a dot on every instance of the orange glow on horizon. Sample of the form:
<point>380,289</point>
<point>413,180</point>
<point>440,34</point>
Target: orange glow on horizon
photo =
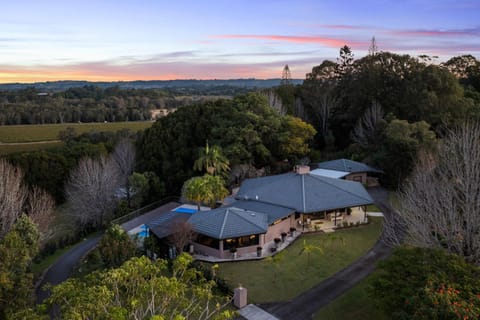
<point>32,76</point>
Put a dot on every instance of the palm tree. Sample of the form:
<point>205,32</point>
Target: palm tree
<point>205,189</point>
<point>275,261</point>
<point>308,248</point>
<point>212,160</point>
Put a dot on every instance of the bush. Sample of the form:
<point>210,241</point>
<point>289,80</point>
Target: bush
<point>116,246</point>
<point>420,283</point>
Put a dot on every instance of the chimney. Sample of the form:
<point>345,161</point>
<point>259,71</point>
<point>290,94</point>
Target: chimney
<point>302,169</point>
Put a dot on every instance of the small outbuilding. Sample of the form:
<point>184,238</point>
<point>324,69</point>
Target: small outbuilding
<point>348,170</point>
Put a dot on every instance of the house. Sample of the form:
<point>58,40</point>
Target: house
<point>266,207</point>
<point>243,225</point>
<point>348,170</point>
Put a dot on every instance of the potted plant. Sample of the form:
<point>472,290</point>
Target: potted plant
<point>284,235</point>
<point>259,251</point>
<point>233,250</point>
<point>292,231</point>
<point>277,241</point>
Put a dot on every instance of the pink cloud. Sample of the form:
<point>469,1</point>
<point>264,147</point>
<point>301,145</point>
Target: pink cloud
<point>329,42</point>
<point>342,27</point>
<point>437,33</point>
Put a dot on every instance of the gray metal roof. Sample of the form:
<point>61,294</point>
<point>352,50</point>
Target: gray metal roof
<point>329,173</point>
<point>273,212</point>
<point>163,226</point>
<point>304,192</point>
<point>347,166</point>
<point>229,222</point>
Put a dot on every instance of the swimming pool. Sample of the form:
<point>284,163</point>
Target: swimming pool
<point>184,210</point>
<point>143,231</point>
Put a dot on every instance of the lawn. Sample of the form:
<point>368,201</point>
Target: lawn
<point>48,132</point>
<point>373,208</point>
<point>26,147</point>
<point>269,281</point>
<point>355,304</point>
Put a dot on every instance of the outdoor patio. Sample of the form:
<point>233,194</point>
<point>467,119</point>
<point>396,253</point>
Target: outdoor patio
<point>357,215</point>
<point>266,251</point>
<point>313,225</point>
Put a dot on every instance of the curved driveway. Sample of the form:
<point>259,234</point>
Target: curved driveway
<point>308,303</point>
<point>63,267</point>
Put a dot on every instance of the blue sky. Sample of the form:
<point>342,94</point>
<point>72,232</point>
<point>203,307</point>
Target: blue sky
<point>127,40</point>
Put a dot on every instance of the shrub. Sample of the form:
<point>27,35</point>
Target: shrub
<point>116,246</point>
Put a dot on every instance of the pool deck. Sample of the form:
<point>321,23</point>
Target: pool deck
<point>149,216</point>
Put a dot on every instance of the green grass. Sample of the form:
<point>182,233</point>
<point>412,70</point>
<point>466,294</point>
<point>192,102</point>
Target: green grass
<point>26,147</point>
<point>48,132</point>
<point>293,276</point>
<point>373,208</point>
<point>354,304</point>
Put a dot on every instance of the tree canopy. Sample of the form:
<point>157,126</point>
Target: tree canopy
<point>245,128</point>
<point>141,289</point>
<point>417,283</point>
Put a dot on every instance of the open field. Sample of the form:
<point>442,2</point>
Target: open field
<point>355,304</point>
<point>49,132</point>
<point>268,281</point>
<point>29,146</point>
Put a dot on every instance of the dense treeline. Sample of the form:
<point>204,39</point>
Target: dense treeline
<point>50,169</point>
<point>246,128</point>
<point>384,108</point>
<point>203,87</point>
<point>88,104</point>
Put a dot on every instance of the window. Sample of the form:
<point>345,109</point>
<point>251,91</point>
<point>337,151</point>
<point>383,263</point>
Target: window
<point>208,241</point>
<point>240,242</point>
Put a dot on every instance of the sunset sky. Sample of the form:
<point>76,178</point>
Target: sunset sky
<point>145,40</point>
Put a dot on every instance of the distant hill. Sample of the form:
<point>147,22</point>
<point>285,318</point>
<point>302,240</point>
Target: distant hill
<point>153,84</point>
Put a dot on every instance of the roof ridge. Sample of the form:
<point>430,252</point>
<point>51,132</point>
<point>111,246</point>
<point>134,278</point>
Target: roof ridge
<point>222,228</point>
<point>344,164</point>
<point>261,201</point>
<point>269,203</point>
<point>339,188</point>
<point>243,218</point>
<point>303,193</point>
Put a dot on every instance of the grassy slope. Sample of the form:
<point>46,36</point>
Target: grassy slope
<point>293,275</point>
<point>48,132</point>
<point>355,304</point>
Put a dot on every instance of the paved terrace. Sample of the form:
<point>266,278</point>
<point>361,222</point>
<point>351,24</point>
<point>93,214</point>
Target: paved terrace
<point>266,252</point>
<point>321,225</point>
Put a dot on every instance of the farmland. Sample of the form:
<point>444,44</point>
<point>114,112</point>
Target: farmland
<point>35,137</point>
<point>49,132</point>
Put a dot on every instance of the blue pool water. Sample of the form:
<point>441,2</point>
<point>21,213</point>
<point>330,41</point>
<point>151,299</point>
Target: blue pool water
<point>144,232</point>
<point>185,210</point>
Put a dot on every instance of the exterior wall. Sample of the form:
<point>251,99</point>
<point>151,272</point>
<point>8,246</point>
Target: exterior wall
<point>275,231</point>
<point>201,249</point>
<point>242,251</point>
<point>225,254</point>
<point>359,177</point>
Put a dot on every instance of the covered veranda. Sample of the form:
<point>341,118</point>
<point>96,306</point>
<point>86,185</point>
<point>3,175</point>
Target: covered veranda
<point>330,220</point>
